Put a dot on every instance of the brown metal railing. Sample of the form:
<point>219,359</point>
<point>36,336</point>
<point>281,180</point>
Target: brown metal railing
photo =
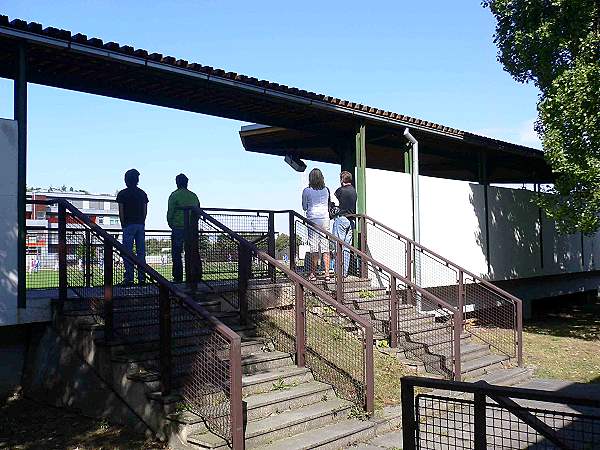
<point>427,327</point>
<point>480,416</point>
<point>197,354</point>
<point>298,316</point>
<point>490,314</point>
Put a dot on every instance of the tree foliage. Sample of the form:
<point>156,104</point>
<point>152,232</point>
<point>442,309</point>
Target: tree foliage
<point>555,44</point>
<point>282,242</point>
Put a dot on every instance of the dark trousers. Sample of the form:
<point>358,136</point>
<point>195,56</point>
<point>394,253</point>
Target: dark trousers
<point>177,241</point>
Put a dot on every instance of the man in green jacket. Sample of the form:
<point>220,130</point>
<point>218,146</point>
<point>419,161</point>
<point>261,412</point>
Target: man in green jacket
<point>175,218</point>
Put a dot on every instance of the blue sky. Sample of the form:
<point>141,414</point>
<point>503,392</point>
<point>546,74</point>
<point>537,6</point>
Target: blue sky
<point>430,59</point>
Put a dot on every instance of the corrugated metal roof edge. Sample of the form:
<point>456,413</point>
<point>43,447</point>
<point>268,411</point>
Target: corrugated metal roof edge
<point>252,82</point>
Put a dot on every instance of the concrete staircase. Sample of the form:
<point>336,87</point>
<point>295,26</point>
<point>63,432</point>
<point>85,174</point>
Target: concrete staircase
<point>425,340</point>
<point>284,406</point>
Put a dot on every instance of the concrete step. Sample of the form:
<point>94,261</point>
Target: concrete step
<point>360,295</point>
<point>276,401</point>
<point>153,354</point>
<point>509,376</point>
<point>280,426</point>
<point>333,436</point>
<point>260,382</point>
<point>482,365</point>
<point>424,333</point>
<point>251,364</point>
<point>261,362</point>
<point>133,343</point>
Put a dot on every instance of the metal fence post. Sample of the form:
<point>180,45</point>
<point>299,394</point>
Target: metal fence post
<point>193,249</point>
<point>108,292</point>
<point>364,273</point>
<point>479,418</point>
<point>369,371</point>
<point>88,258</point>
<point>292,244</point>
<point>62,253</point>
<point>409,422</point>
<point>519,333</point>
<point>300,326</point>
<point>187,246</point>
<point>244,271</point>
<point>236,408</point>
<point>271,244</point>
<point>458,328</point>
<point>339,272</point>
<point>408,273</point>
<point>393,314</point>
<point>164,301</point>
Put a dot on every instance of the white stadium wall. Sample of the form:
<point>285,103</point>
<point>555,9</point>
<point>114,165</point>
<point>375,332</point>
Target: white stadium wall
<point>453,225</point>
<point>8,222</point>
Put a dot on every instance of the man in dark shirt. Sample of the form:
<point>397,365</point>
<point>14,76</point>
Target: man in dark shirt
<point>133,208</point>
<point>343,226</point>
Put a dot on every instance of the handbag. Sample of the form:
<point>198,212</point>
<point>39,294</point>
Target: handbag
<point>334,210</point>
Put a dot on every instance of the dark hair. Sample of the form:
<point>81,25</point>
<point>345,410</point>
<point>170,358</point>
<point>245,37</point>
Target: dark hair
<point>346,177</point>
<point>181,181</point>
<point>132,178</point>
<point>316,180</point>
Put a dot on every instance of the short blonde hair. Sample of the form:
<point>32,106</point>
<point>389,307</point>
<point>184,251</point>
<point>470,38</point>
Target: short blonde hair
<point>316,179</point>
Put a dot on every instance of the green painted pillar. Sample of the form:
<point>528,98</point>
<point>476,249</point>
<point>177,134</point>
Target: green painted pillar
<point>361,170</point>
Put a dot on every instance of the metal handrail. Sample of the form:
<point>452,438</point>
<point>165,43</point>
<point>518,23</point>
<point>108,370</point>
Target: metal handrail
<point>229,335</point>
<point>517,301</point>
<point>445,260</point>
<point>324,296</point>
<point>457,318</point>
<point>377,264</point>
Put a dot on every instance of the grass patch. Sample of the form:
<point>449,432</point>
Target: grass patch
<point>563,341</point>
<point>388,372</point>
<point>48,278</point>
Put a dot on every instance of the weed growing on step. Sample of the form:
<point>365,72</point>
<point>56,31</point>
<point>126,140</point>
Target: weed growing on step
<point>366,294</point>
<point>358,413</point>
<point>324,398</point>
<point>382,343</point>
<point>281,385</point>
<point>181,407</point>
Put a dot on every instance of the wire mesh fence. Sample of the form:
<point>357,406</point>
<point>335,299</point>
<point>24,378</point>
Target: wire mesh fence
<point>482,416</point>
<point>416,321</point>
<point>489,314</point>
<point>446,423</point>
<point>299,319</point>
<point>85,253</point>
<point>170,334</point>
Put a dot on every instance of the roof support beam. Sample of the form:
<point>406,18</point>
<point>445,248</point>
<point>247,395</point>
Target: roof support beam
<point>361,170</point>
<point>20,115</point>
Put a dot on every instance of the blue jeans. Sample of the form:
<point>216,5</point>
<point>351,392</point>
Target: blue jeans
<point>134,233</point>
<point>342,229</point>
<point>177,240</point>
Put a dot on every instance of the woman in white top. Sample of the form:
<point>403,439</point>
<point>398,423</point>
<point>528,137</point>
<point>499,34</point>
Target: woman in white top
<point>315,202</point>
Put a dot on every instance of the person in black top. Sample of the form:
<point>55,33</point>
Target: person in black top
<point>343,226</point>
<point>133,208</point>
